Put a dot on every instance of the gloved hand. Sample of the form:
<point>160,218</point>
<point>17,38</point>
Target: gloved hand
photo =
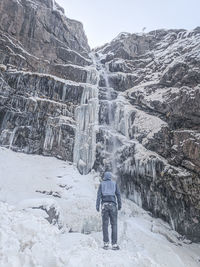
<point>97,208</point>
<point>119,207</point>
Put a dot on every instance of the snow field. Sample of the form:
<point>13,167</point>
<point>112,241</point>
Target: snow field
<point>28,240</point>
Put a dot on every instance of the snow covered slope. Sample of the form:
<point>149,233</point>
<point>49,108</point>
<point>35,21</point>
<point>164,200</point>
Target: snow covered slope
<point>33,187</point>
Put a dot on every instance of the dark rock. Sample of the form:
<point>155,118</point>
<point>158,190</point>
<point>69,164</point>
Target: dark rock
<point>41,28</point>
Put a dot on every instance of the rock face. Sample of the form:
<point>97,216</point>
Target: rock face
<point>154,133</point>
<point>132,106</point>
<point>43,74</point>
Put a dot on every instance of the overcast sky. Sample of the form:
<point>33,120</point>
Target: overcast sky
<point>104,19</point>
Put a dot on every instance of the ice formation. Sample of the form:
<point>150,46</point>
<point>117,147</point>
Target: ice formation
<point>86,116</point>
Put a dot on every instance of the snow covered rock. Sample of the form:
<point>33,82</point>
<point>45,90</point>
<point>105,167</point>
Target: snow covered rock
<point>45,68</point>
<point>153,144</point>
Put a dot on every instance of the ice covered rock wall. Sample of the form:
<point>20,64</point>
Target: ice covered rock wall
<point>45,70</point>
<point>155,83</point>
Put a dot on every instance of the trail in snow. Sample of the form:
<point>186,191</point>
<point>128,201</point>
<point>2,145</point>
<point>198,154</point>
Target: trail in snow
<point>28,240</point>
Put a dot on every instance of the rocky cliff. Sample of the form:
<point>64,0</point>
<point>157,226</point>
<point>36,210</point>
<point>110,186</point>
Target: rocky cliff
<point>131,106</point>
<point>153,82</point>
<point>44,59</point>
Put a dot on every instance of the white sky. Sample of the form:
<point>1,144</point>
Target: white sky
<point>104,19</point>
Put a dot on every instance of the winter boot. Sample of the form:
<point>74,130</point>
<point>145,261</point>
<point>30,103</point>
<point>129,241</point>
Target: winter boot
<point>106,245</point>
<point>115,247</point>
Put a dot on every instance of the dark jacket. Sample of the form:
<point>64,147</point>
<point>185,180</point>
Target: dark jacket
<point>108,191</point>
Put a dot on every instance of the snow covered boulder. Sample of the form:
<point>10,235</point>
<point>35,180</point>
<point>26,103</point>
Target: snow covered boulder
<point>45,207</point>
<point>26,240</point>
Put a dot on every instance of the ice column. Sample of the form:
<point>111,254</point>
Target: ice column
<point>86,116</point>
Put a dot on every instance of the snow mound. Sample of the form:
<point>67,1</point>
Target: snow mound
<point>26,240</point>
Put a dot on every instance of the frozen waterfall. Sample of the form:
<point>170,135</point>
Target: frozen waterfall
<point>104,131</point>
<point>86,116</point>
<point>113,122</point>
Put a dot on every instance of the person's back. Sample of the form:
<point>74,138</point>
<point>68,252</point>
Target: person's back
<point>106,195</point>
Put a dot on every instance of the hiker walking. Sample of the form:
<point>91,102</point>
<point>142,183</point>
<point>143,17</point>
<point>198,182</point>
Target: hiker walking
<point>107,193</point>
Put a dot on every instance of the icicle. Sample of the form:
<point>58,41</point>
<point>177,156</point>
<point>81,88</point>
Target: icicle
<point>49,137</point>
<point>172,222</point>
<point>12,136</point>
<point>64,93</point>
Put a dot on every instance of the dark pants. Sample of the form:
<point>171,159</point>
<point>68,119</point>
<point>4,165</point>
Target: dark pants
<point>109,211</point>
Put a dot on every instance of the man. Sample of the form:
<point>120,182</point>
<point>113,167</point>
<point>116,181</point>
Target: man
<point>107,193</point>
